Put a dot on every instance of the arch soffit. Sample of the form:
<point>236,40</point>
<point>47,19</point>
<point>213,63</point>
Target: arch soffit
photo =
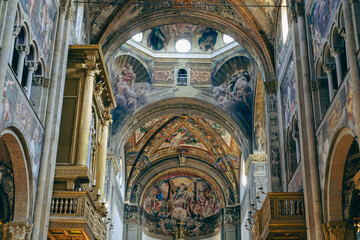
<point>22,174</point>
<point>178,106</point>
<point>112,39</point>
<point>334,171</point>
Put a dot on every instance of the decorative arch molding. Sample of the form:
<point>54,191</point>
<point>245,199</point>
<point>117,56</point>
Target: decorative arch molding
<point>334,173</point>
<point>178,106</point>
<point>23,183</point>
<point>112,39</point>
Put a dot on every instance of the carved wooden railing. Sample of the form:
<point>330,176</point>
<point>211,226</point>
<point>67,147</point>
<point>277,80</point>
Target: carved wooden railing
<point>282,213</point>
<point>73,207</point>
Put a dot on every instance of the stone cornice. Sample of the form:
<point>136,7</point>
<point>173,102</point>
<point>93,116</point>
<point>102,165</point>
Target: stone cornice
<point>254,158</point>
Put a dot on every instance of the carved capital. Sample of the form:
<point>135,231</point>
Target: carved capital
<point>334,230</point>
<point>16,231</point>
<point>336,51</point>
<point>23,48</point>
<point>300,9</point>
<point>16,30</point>
<point>328,68</point>
<point>270,87</point>
<point>32,66</point>
<point>41,81</point>
<point>91,66</point>
<point>314,86</point>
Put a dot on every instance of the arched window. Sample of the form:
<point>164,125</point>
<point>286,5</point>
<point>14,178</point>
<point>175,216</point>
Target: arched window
<point>323,89</point>
<point>338,51</point>
<point>292,149</point>
<point>284,21</point>
<point>182,77</point>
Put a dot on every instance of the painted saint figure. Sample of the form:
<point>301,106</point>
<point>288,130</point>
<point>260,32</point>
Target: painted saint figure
<point>208,39</point>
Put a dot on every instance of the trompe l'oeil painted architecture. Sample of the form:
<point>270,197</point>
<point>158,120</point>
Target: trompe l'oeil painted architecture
<point>144,120</point>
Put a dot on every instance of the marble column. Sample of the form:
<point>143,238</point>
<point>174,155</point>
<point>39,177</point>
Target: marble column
<point>328,68</point>
<point>32,68</point>
<point>16,32</point>
<point>102,156</point>
<point>353,63</point>
<point>7,36</point>
<point>306,124</point>
<point>92,70</point>
<point>51,127</point>
<point>336,53</point>
<point>23,51</point>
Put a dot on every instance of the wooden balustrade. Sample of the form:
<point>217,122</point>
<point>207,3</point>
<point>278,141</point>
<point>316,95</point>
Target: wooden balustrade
<point>72,212</point>
<point>281,215</point>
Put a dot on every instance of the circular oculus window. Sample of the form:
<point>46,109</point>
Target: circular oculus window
<point>183,45</point>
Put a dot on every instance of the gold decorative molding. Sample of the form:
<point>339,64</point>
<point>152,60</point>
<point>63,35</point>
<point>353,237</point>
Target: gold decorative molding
<point>254,158</point>
<point>64,172</point>
<point>334,230</point>
<point>357,180</point>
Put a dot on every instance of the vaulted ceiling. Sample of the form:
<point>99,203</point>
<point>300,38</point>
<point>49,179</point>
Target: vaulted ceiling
<point>251,22</point>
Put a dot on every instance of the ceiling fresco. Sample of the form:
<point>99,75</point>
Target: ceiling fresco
<point>173,136</point>
<point>202,39</point>
<point>227,83</point>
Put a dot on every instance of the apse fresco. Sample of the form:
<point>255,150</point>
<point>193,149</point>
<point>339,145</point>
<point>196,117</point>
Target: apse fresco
<point>320,18</point>
<point>182,198</point>
<point>41,14</point>
<point>221,131</point>
<point>341,115</point>
<point>145,128</point>
<point>24,119</point>
<point>288,94</point>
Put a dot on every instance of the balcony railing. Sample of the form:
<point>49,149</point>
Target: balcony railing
<point>75,212</point>
<point>281,215</point>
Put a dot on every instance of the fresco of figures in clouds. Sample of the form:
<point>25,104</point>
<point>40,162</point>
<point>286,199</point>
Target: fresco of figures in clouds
<point>24,119</point>
<point>185,198</point>
<point>41,14</point>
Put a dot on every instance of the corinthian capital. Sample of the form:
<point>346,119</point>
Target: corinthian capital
<point>334,230</point>
<point>91,66</point>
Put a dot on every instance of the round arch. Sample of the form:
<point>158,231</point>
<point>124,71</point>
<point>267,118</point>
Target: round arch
<point>111,40</point>
<point>178,106</point>
<point>22,175</point>
<point>334,174</point>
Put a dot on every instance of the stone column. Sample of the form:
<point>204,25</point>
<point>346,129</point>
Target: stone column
<point>328,68</point>
<point>353,63</point>
<point>32,68</point>
<point>102,156</point>
<point>16,32</point>
<point>23,51</point>
<point>336,52</point>
<point>306,123</point>
<point>91,68</point>
<point>50,138</point>
<point>7,36</point>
